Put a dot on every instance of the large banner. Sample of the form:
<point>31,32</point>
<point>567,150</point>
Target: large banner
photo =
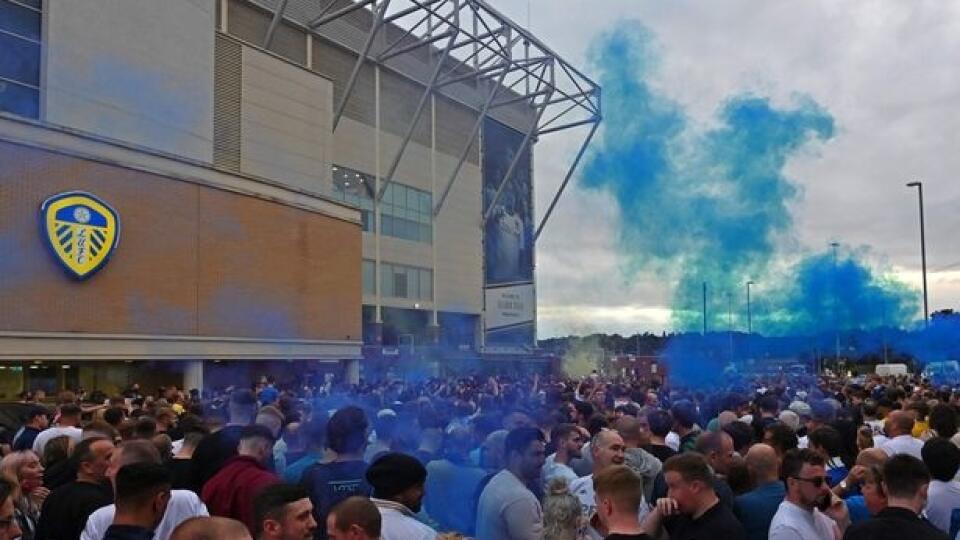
<point>508,240</point>
<point>508,235</point>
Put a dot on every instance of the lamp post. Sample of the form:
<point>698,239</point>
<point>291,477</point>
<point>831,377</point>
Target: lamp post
<point>749,323</point>
<point>923,253</point>
<point>836,311</point>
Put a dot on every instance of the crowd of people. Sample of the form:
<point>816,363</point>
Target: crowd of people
<point>491,458</point>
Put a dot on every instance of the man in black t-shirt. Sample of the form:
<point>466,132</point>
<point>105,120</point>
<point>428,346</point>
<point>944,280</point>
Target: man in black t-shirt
<point>660,425</point>
<point>215,449</point>
<point>691,510</point>
<point>345,476</point>
<point>65,511</point>
<point>619,493</point>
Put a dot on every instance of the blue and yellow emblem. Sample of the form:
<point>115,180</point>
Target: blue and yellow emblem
<point>81,230</point>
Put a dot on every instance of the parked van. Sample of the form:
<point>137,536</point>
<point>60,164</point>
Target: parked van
<point>885,370</point>
<point>948,371</point>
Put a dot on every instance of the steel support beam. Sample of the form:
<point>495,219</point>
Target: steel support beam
<point>570,125</point>
<point>361,58</point>
<point>566,178</point>
<point>324,19</point>
<point>414,46</point>
<point>427,91</point>
<point>466,149</point>
<point>277,17</point>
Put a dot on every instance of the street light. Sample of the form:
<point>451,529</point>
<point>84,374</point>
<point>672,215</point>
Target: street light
<point>836,311</point>
<point>923,253</point>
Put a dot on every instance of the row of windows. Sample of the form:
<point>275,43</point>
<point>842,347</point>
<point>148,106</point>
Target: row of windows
<point>398,281</point>
<point>405,212</point>
<point>20,33</point>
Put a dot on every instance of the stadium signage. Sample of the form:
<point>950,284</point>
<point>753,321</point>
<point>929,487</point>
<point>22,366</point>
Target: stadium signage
<point>81,230</point>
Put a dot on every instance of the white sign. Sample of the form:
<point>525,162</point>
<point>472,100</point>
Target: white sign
<point>507,306</point>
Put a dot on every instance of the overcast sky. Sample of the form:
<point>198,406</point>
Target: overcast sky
<point>885,70</point>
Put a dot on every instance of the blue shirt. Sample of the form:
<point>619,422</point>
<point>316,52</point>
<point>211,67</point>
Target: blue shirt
<point>293,471</point>
<point>857,507</point>
<point>755,509</point>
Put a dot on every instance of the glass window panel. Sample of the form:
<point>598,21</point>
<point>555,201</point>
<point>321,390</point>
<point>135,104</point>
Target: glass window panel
<point>369,277</point>
<point>413,199</point>
<point>19,60</point>
<point>400,283</point>
<point>386,279</point>
<point>426,285</point>
<point>413,283</point>
<point>19,100</point>
<point>425,234</point>
<point>19,20</point>
<point>425,203</point>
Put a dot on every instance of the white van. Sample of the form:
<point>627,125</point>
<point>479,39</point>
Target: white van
<point>942,371</point>
<point>886,370</point>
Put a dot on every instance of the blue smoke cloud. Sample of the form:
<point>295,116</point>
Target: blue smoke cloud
<point>696,205</point>
<point>823,293</point>
<point>711,205</point>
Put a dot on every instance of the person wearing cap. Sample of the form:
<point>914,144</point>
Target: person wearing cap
<point>36,421</point>
<point>821,414</point>
<point>398,487</point>
<point>230,492</point>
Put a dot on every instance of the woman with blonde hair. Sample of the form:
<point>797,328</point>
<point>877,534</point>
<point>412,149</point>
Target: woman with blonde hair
<point>24,471</point>
<point>562,513</point>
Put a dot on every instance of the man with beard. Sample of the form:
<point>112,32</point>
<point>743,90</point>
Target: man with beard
<point>398,480</point>
<point>801,515</point>
<point>508,510</point>
<point>284,512</point>
<point>568,440</point>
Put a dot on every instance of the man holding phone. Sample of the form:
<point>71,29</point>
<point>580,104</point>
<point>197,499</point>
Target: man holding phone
<point>809,509</point>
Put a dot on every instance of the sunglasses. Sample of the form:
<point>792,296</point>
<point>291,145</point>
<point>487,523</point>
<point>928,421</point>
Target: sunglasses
<point>819,481</point>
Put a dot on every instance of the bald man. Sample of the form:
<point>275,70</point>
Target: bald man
<point>607,449</point>
<point>636,434</point>
<point>726,417</point>
<point>755,509</point>
<point>211,528</point>
<point>899,427</point>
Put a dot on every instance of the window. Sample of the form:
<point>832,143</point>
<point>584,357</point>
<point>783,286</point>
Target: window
<point>369,277</point>
<point>410,282</point>
<point>20,32</point>
<point>355,188</point>
<point>405,212</point>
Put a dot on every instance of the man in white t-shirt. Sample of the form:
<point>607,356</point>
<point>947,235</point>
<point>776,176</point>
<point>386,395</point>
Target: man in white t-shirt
<point>568,440</point>
<point>183,505</point>
<point>607,449</point>
<point>899,429</point>
<point>942,457</point>
<point>799,517</point>
<point>69,420</point>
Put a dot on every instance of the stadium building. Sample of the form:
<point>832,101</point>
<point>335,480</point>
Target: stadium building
<point>200,191</point>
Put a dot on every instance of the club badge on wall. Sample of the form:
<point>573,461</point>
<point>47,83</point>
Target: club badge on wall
<point>81,230</point>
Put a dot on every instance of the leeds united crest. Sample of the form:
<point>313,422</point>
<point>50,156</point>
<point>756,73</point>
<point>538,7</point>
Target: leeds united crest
<point>81,230</point>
